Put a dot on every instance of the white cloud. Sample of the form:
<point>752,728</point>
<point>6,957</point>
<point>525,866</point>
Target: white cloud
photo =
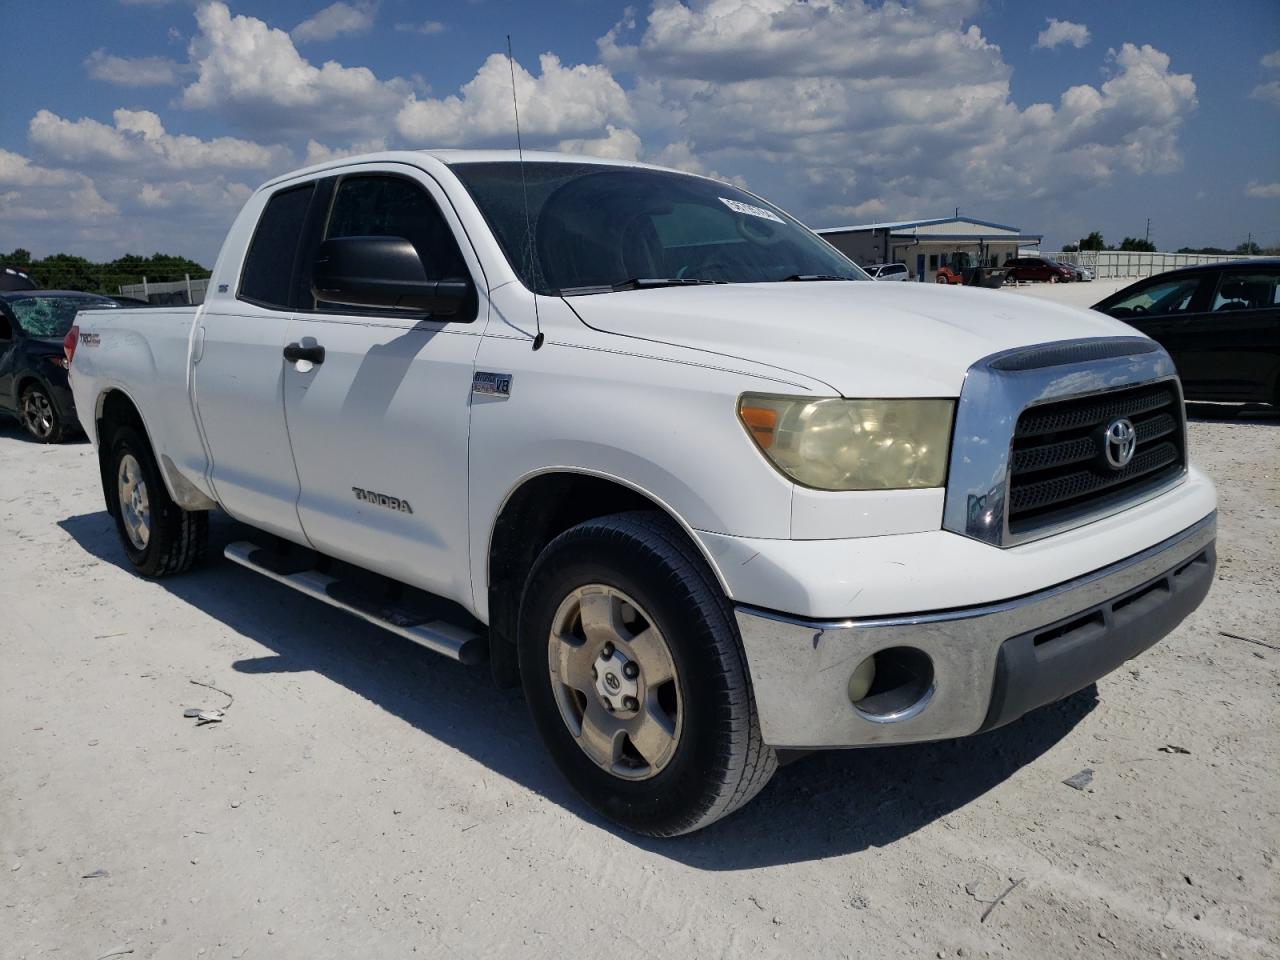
<point>1263,191</point>
<point>563,103</point>
<point>727,40</point>
<point>1267,92</point>
<point>427,28</point>
<point>843,109</point>
<point>1059,32</point>
<point>31,193</point>
<point>618,143</point>
<point>1272,60</point>
<point>335,20</point>
<point>139,137</point>
<point>319,153</point>
<point>18,171</point>
<point>254,75</point>
<point>132,71</point>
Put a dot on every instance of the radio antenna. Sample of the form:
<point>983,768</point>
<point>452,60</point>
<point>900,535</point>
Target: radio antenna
<point>524,185</point>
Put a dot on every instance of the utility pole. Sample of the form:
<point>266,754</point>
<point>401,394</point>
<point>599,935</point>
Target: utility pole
<point>1248,245</point>
<point>1148,229</point>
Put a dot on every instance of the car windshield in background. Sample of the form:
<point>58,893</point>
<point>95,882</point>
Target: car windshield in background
<point>596,228</point>
<point>53,316</point>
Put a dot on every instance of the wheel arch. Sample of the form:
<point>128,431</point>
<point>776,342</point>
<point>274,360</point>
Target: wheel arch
<point>539,507</point>
<point>115,407</point>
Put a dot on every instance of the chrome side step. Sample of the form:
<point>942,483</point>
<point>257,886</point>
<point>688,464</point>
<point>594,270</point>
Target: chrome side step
<point>440,636</point>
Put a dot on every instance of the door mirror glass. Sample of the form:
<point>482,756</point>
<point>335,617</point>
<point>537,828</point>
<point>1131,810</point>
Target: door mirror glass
<point>382,272</point>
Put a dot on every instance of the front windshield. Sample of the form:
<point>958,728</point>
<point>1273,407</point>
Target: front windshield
<point>594,227</point>
<point>53,316</point>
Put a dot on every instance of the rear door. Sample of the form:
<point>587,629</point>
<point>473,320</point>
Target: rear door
<point>1234,344</point>
<point>239,372</point>
<point>379,430</point>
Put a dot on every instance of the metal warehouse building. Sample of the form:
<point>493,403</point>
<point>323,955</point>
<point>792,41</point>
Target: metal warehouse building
<point>925,245</point>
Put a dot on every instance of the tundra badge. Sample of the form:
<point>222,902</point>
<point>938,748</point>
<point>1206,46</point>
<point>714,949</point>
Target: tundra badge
<point>382,500</point>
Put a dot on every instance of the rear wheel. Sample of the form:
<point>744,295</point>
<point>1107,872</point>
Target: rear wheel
<point>39,416</point>
<point>635,676</point>
<point>158,536</point>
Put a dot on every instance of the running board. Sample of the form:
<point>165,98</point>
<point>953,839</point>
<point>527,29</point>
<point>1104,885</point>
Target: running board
<point>439,636</point>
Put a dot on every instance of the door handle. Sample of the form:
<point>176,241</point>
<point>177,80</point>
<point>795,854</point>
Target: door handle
<point>296,351</point>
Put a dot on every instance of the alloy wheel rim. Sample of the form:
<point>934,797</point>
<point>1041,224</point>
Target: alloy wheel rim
<point>135,505</point>
<point>615,682</point>
<point>37,413</point>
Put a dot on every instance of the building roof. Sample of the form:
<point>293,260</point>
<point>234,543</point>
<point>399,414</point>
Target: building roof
<point>896,226</point>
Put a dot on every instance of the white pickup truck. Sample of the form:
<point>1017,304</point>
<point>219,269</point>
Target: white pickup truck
<point>658,453</point>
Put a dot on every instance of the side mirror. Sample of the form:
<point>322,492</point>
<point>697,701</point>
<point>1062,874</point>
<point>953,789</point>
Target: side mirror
<point>382,272</point>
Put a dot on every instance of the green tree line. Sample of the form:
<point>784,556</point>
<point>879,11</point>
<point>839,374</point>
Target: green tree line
<point>1094,241</point>
<point>64,271</point>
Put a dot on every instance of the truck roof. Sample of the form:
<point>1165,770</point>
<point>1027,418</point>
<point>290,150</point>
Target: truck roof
<point>452,156</point>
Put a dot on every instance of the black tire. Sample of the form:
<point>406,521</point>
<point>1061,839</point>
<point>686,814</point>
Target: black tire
<point>39,415</point>
<point>177,537</point>
<point>719,761</point>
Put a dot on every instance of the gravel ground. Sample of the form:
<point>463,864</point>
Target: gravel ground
<point>365,798</point>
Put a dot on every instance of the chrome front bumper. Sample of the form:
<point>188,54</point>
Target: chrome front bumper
<point>1022,650</point>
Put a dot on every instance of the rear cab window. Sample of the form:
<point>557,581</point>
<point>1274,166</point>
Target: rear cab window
<point>267,276</point>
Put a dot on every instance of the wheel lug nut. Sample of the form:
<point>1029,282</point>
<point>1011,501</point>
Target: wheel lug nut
<point>607,652</point>
<point>630,703</point>
<point>630,670</point>
<point>608,705</point>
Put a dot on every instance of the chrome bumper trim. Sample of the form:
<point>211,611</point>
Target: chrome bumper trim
<point>800,668</point>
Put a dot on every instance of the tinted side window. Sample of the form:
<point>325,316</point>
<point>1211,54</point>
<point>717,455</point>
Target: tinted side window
<point>1161,298</point>
<point>1246,291</point>
<point>6,329</point>
<point>379,206</point>
<point>268,266</point>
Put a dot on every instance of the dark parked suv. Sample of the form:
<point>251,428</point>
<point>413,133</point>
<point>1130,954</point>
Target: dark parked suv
<point>33,368</point>
<point>1220,322</point>
<point>1038,268</point>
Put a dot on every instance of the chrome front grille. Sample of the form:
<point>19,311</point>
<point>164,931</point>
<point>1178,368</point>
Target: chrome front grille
<point>1058,468</point>
<point>1028,458</point>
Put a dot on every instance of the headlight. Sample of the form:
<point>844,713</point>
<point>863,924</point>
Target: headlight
<point>852,444</point>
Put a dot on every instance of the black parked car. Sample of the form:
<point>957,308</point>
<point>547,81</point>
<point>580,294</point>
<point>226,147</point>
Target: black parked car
<point>33,368</point>
<point>1220,322</point>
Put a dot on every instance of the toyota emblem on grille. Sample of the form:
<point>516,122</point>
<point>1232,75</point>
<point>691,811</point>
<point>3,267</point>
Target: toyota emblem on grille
<point>1118,443</point>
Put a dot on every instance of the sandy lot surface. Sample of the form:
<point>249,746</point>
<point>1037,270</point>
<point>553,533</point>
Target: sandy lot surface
<point>364,798</point>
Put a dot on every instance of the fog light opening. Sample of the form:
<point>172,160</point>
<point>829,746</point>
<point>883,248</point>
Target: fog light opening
<point>892,685</point>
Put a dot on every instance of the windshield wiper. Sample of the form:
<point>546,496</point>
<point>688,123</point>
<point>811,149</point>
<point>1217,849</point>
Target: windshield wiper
<point>803,277</point>
<point>635,283</point>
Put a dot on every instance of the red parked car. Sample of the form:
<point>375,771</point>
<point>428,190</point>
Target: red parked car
<point>1038,268</point>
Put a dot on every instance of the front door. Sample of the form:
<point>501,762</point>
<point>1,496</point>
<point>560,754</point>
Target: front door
<point>239,373</point>
<point>379,429</point>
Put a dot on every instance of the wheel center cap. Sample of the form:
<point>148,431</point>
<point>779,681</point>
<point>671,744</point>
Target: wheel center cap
<point>619,692</point>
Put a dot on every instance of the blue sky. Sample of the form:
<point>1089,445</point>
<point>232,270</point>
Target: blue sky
<point>141,125</point>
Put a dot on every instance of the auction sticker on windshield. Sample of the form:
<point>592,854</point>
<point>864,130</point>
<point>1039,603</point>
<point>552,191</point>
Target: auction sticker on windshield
<point>750,209</point>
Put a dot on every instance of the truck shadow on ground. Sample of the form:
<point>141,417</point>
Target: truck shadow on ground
<point>825,804</point>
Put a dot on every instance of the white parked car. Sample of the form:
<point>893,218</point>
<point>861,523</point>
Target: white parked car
<point>660,455</point>
<point>888,271</point>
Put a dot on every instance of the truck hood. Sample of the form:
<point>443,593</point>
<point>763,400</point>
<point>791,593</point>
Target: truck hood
<point>863,339</point>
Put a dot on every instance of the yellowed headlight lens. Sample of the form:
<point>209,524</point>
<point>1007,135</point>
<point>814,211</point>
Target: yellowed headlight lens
<point>837,444</point>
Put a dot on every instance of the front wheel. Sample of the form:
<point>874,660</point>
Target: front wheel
<point>158,536</point>
<point>39,416</point>
<point>635,677</point>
